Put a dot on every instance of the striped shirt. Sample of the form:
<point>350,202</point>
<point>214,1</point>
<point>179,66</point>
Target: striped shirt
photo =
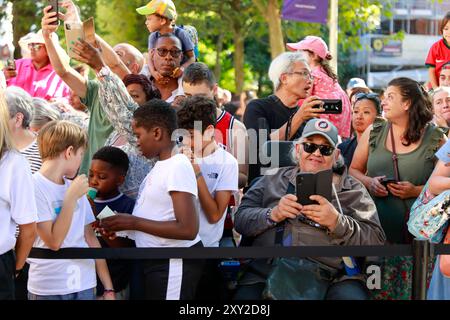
<point>32,154</point>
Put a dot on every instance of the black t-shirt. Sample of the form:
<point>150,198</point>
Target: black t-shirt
<point>119,269</point>
<point>348,148</point>
<point>276,115</point>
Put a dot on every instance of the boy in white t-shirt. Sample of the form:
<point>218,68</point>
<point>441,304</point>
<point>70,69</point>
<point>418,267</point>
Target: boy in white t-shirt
<point>165,212</point>
<point>64,219</point>
<point>217,175</point>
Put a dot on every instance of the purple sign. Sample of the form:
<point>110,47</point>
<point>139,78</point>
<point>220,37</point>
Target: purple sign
<point>306,10</point>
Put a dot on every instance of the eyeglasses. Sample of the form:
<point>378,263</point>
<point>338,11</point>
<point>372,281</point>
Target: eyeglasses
<point>312,147</point>
<point>35,46</point>
<point>304,74</point>
<point>163,52</point>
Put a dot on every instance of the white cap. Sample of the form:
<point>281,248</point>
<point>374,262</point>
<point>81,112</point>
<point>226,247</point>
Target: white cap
<point>356,83</point>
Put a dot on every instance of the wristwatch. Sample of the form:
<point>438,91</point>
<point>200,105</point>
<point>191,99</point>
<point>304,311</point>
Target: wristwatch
<point>269,220</point>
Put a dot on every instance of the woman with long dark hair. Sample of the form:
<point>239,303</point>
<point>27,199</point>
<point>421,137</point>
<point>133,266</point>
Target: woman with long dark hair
<point>394,159</point>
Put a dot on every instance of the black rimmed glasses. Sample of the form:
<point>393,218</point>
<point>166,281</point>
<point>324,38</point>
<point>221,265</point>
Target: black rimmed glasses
<point>324,149</point>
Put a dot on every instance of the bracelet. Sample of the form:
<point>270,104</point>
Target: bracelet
<point>198,175</point>
<point>108,291</point>
<point>269,220</point>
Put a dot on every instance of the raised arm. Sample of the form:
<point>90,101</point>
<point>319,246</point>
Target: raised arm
<point>114,98</point>
<point>111,58</point>
<point>59,59</point>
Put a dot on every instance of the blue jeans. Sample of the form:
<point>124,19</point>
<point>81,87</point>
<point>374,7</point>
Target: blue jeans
<point>88,294</point>
<point>348,290</point>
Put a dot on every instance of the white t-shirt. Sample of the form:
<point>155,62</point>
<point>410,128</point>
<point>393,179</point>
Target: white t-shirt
<point>221,172</point>
<point>155,203</point>
<point>60,277</point>
<point>177,92</point>
<point>17,204</point>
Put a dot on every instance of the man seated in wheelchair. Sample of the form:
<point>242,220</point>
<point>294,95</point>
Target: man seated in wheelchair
<point>273,212</point>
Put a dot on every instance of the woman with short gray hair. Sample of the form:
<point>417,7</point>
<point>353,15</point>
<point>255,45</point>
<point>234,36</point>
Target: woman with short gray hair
<point>20,108</point>
<point>42,114</point>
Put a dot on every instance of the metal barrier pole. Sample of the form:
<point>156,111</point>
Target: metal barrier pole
<point>421,257</point>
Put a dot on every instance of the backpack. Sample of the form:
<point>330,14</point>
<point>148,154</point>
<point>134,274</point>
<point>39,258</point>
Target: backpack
<point>193,35</point>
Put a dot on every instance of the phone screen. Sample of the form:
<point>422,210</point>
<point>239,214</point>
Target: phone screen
<point>306,187</point>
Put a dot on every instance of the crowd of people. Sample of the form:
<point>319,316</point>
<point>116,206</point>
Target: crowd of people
<point>146,155</point>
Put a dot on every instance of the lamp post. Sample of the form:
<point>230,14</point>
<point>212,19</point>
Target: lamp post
<point>333,27</point>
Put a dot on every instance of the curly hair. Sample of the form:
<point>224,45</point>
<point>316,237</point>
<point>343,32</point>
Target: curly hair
<point>421,110</point>
<point>156,113</point>
<point>197,108</point>
<point>151,92</point>
<point>116,157</point>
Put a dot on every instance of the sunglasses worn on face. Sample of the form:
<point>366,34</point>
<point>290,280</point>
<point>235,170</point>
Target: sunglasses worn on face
<point>323,149</point>
<point>35,46</point>
<point>163,52</point>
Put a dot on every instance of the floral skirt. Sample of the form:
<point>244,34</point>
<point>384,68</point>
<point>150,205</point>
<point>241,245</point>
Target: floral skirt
<point>396,278</point>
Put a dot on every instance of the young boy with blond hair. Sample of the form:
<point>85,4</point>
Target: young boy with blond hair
<point>64,219</point>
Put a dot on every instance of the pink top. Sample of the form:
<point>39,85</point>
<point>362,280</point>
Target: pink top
<point>43,83</point>
<point>325,88</point>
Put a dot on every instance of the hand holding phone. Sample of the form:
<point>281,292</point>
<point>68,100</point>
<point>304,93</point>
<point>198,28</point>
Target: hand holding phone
<point>332,106</point>
<point>11,64</point>
<point>386,181</point>
<point>309,184</point>
<point>55,8</point>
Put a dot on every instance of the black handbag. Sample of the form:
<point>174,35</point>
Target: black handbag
<point>297,279</point>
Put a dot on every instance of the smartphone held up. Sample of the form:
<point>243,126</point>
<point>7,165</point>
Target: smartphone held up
<point>55,8</point>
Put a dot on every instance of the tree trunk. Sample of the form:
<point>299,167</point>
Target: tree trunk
<point>239,62</point>
<point>273,19</point>
<point>219,48</point>
<point>21,26</point>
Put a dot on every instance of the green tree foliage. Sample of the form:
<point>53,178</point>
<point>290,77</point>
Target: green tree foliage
<point>234,35</point>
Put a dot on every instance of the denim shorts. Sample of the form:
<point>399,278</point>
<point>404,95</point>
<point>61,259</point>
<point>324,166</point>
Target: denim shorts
<point>88,294</point>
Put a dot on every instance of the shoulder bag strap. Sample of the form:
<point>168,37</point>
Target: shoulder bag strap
<point>406,234</point>
<point>394,153</point>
